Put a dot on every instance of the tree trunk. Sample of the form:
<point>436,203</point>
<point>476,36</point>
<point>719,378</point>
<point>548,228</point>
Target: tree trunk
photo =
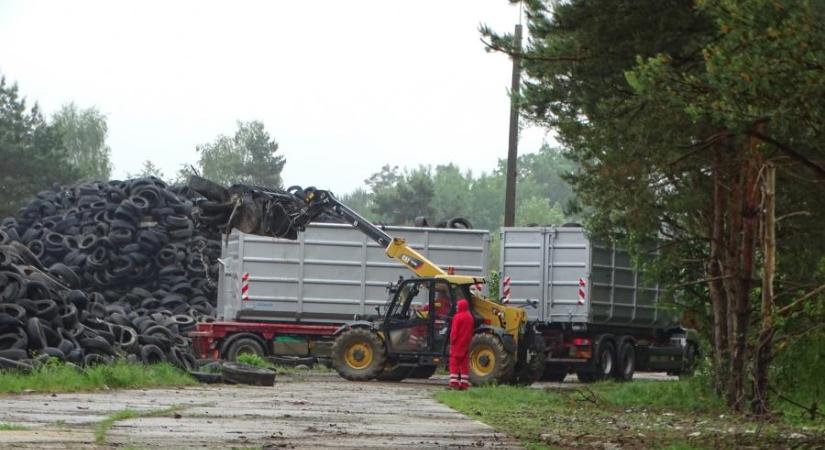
<point>715,285</point>
<point>733,266</point>
<point>760,405</point>
<point>750,211</point>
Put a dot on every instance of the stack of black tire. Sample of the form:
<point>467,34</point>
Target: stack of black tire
<point>101,271</point>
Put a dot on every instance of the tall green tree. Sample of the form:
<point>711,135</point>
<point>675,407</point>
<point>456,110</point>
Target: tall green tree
<point>84,137</point>
<point>249,157</point>
<point>32,154</point>
<point>671,112</point>
<point>400,197</point>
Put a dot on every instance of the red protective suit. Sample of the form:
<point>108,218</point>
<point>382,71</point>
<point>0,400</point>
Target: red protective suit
<point>460,335</point>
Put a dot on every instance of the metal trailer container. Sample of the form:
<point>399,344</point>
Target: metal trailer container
<point>332,272</point>
<point>577,280</point>
<point>598,316</point>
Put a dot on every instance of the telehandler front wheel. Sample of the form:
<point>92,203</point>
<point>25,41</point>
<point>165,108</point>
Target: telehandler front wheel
<point>358,354</point>
<point>489,361</point>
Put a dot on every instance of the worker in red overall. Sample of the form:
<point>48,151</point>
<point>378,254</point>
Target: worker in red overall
<point>460,336</point>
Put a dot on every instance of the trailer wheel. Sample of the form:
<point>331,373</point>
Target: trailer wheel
<point>603,364</point>
<point>358,355</point>
<point>423,372</point>
<point>605,360</point>
<point>489,362</point>
<point>626,362</point>
<point>240,345</point>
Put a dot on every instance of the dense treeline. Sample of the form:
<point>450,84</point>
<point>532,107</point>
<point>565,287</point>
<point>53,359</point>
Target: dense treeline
<point>679,113</point>
<point>397,197</point>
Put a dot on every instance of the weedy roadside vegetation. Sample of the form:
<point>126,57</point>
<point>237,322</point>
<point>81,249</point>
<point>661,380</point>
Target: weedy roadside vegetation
<point>58,377</point>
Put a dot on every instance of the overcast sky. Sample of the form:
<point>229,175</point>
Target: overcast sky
<point>343,86</point>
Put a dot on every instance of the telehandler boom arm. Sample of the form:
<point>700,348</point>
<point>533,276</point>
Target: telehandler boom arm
<point>319,201</point>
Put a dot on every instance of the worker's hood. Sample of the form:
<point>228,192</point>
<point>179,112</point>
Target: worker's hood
<point>463,305</point>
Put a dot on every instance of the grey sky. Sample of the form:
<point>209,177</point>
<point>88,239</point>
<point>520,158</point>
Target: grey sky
<point>343,86</point>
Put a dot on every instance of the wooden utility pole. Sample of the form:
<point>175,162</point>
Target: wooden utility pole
<point>512,151</point>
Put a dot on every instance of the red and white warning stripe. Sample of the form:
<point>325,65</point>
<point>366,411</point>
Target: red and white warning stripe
<point>245,287</point>
<point>505,289</point>
<point>582,286</point>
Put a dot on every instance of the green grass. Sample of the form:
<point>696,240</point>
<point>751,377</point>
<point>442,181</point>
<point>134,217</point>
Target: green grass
<point>104,425</point>
<point>5,426</point>
<point>254,360</point>
<point>669,415</point>
<point>62,378</point>
<point>689,395</point>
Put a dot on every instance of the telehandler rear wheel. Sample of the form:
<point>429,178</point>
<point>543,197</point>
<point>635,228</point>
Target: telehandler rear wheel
<point>489,362</point>
<point>358,354</point>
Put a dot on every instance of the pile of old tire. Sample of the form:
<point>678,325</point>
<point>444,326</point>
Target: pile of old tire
<point>103,270</point>
<point>43,318</point>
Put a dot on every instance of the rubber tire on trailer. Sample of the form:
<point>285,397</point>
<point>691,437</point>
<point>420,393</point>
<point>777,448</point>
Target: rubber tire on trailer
<point>626,361</point>
<point>353,346</point>
<point>604,363</point>
<point>242,345</point>
<point>528,373</point>
<point>423,372</point>
<point>246,374</point>
<point>396,373</point>
<point>489,362</point>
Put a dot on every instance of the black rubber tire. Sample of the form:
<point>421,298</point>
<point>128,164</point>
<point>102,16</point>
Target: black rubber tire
<point>34,330</point>
<point>240,345</point>
<point>423,372</point>
<point>93,359</point>
<point>206,377</point>
<point>586,376</point>
<point>344,344</point>
<point>15,354</point>
<point>9,364</point>
<point>395,373</point>
<point>554,373</point>
<point>626,361</point>
<point>459,222</point>
<point>485,370</point>
<point>152,354</point>
<point>245,374</point>
<point>208,189</point>
<point>604,363</point>
<point>532,369</point>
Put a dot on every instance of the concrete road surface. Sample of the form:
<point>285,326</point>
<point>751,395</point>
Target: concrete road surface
<point>323,411</point>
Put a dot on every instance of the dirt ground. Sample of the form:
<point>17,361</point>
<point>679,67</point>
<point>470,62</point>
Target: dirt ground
<point>311,412</point>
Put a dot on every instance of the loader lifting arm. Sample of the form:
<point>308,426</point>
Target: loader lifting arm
<point>320,201</point>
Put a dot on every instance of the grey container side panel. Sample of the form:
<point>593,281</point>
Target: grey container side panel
<point>549,263</point>
<point>566,270</point>
<point>522,259</point>
<point>333,272</point>
<point>620,295</point>
<point>227,284</point>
